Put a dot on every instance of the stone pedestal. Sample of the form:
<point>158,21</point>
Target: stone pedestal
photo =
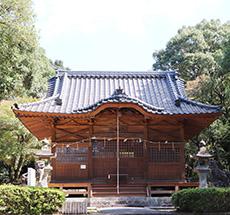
<point>43,165</point>
<point>203,175</point>
<point>31,177</point>
<point>202,168</point>
<point>43,173</point>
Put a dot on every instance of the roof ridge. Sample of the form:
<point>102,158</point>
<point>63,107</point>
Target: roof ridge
<point>113,73</point>
<point>173,90</point>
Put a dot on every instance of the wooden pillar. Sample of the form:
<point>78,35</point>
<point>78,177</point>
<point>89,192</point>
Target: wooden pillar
<point>182,160</point>
<point>118,152</point>
<point>53,148</point>
<point>146,148</point>
<point>90,153</point>
<point>182,153</point>
<point>55,121</point>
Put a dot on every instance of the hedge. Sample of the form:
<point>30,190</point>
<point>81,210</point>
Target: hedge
<point>202,200</point>
<point>29,200</point>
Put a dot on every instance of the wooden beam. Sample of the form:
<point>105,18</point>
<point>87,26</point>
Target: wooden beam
<point>66,138</point>
<point>69,132</point>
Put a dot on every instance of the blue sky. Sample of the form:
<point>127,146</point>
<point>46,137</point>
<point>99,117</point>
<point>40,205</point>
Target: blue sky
<point>116,35</point>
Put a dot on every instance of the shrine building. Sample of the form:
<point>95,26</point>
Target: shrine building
<point>117,133</point>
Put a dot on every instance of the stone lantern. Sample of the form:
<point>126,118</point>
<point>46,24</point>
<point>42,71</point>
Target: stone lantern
<point>43,167</point>
<point>202,167</point>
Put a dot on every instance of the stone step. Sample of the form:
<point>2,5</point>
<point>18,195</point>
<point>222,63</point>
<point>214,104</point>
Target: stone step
<point>75,206</point>
<point>125,201</point>
<point>79,205</point>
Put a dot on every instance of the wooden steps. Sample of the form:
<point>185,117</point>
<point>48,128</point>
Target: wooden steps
<point>71,189</point>
<point>168,188</point>
<point>99,190</point>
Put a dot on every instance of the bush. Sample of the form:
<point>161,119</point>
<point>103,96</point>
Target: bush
<point>30,200</point>
<point>202,200</point>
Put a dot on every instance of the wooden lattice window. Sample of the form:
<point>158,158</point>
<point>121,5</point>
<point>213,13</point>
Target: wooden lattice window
<point>128,149</point>
<point>131,149</point>
<point>71,154</point>
<point>103,148</point>
<point>164,154</point>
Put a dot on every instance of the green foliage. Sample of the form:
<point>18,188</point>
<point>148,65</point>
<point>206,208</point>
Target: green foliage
<point>30,200</point>
<point>190,162</point>
<point>23,65</point>
<point>215,89</point>
<point>59,65</point>
<point>17,144</point>
<point>195,50</point>
<point>24,70</point>
<point>202,200</point>
<point>201,55</point>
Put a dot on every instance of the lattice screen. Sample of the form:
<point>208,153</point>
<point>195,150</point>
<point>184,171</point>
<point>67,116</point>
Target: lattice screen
<point>108,149</point>
<point>163,153</point>
<point>71,154</point>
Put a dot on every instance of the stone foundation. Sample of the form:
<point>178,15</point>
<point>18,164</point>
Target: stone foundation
<point>104,202</point>
<point>79,205</point>
<point>75,206</point>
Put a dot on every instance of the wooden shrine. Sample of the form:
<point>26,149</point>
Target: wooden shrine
<point>117,133</point>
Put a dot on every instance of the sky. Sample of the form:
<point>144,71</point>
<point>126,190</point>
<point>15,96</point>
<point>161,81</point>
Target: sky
<point>116,35</point>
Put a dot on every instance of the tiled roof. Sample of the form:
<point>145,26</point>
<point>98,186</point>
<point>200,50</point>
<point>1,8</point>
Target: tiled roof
<point>79,92</point>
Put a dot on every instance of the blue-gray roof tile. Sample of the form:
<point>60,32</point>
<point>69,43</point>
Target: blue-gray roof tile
<point>79,92</point>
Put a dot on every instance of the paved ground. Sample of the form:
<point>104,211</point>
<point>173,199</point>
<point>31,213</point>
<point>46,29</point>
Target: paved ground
<point>133,210</point>
<point>141,211</point>
<point>146,211</point>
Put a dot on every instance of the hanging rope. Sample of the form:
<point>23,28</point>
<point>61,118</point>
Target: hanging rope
<point>125,139</point>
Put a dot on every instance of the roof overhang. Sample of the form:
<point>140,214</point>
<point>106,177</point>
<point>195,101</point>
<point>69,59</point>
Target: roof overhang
<point>41,124</point>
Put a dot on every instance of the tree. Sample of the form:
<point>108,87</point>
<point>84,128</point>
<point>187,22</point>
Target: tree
<point>201,55</point>
<point>17,144</point>
<point>195,50</point>
<point>58,64</point>
<point>216,89</point>
<point>22,61</point>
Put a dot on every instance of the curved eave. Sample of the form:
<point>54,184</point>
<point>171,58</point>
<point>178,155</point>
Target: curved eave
<point>214,108</point>
<point>86,114</point>
<point>96,110</point>
<point>119,102</point>
<point>122,98</point>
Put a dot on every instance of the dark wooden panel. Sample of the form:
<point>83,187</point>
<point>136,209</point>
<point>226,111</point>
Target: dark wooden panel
<point>165,171</point>
<point>104,166</point>
<point>70,172</point>
<point>133,167</point>
<point>68,161</point>
<point>166,161</point>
